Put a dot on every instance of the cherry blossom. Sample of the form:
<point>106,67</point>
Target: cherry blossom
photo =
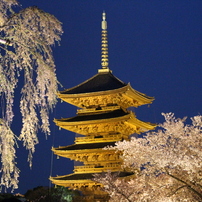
<point>167,164</point>
<point>26,39</point>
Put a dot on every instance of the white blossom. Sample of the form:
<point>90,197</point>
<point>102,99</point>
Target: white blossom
<point>31,32</point>
<point>169,161</point>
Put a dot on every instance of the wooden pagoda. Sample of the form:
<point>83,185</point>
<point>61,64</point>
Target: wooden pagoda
<point>102,119</point>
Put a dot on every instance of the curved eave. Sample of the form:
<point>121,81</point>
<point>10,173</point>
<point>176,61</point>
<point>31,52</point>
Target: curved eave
<point>72,175</point>
<point>136,126</point>
<point>60,180</point>
<point>133,121</point>
<point>65,121</point>
<point>67,153</point>
<point>77,151</point>
<point>134,97</point>
<point>72,183</point>
<point>89,94</point>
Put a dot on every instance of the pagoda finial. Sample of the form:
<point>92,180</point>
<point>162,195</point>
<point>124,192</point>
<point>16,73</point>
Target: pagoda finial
<point>104,22</point>
<point>104,45</point>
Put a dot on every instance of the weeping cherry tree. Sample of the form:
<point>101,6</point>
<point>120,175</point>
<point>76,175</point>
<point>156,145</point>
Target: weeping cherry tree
<point>25,51</point>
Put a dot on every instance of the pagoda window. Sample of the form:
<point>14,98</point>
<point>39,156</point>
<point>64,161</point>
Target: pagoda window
<point>99,166</point>
<point>100,136</point>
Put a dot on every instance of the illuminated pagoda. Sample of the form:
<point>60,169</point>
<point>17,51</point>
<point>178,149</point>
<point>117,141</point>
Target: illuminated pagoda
<point>102,119</point>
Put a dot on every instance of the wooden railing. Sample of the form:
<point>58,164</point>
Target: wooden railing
<point>102,139</point>
<point>92,168</point>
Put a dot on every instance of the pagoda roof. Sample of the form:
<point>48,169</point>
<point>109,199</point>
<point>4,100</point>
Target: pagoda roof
<point>104,89</point>
<point>86,176</point>
<point>103,81</point>
<point>86,146</point>
<point>114,121</point>
<point>95,116</point>
<point>89,148</point>
<point>77,180</point>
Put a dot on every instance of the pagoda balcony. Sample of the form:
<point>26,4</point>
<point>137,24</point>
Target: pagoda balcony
<point>109,138</point>
<point>101,109</point>
<point>97,169</point>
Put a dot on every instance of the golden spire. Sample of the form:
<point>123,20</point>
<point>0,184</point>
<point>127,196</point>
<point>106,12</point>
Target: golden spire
<point>104,45</point>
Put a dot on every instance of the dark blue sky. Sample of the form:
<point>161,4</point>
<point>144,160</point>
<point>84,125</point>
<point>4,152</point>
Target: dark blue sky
<point>154,45</point>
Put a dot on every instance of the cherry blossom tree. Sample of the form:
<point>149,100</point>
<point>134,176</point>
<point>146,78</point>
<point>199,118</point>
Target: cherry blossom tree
<point>25,51</point>
<point>138,187</point>
<point>167,164</point>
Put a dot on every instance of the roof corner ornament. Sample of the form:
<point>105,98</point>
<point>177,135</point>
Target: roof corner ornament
<point>104,45</point>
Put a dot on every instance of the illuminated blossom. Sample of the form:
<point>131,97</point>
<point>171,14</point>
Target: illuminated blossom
<point>168,161</point>
<point>28,36</point>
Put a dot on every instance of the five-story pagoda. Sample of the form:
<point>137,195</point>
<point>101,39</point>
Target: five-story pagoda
<point>102,119</point>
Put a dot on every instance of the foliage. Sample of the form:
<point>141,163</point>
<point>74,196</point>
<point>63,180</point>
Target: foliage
<point>63,194</point>
<point>8,197</point>
<point>37,194</point>
<point>55,194</point>
<point>168,162</point>
<point>28,36</point>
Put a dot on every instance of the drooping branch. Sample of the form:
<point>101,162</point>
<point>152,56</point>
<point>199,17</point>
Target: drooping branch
<point>187,185</point>
<point>31,32</point>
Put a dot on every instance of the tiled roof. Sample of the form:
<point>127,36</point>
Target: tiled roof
<point>103,115</point>
<point>87,146</point>
<point>100,82</point>
<point>86,176</point>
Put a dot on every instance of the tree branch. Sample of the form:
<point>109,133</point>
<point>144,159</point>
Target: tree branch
<point>186,185</point>
<point>174,192</point>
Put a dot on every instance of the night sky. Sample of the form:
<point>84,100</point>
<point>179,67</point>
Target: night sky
<point>155,45</point>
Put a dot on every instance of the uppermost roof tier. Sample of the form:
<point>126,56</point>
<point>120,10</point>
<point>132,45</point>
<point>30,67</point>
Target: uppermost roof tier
<point>100,82</point>
<point>104,89</point>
